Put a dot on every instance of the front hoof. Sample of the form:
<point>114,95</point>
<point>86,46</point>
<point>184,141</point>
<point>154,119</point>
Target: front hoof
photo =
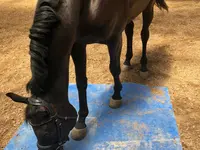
<point>78,134</point>
<point>144,75</point>
<point>115,103</point>
<point>126,67</point>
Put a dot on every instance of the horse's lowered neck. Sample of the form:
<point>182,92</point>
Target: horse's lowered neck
<point>58,79</point>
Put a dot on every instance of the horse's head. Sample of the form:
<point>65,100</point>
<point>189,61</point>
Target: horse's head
<point>48,110</point>
<point>51,128</point>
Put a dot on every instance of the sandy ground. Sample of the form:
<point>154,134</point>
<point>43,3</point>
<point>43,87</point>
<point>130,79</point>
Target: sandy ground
<point>173,53</point>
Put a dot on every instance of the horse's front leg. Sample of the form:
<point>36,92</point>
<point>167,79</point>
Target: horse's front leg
<point>79,58</point>
<point>115,46</point>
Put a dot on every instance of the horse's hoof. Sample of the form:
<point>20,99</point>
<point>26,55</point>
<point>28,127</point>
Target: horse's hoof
<point>126,67</point>
<point>144,75</point>
<point>115,103</point>
<point>78,134</point>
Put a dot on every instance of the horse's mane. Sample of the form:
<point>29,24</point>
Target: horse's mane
<point>40,34</point>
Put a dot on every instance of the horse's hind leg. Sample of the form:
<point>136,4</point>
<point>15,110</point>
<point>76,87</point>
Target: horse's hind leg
<point>79,58</point>
<point>115,46</point>
<point>129,53</point>
<point>147,19</point>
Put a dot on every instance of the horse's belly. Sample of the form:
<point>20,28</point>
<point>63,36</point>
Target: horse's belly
<point>96,34</point>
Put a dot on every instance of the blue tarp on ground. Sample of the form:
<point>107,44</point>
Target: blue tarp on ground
<point>144,122</point>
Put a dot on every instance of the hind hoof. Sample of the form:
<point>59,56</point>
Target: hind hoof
<point>115,103</point>
<point>78,134</point>
<point>144,75</point>
<point>126,67</point>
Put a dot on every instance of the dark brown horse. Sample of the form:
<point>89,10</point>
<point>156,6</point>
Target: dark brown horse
<point>62,28</point>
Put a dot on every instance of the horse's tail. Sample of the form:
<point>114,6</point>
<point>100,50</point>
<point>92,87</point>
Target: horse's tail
<point>161,4</point>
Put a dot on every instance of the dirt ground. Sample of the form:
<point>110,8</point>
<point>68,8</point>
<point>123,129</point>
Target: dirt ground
<point>173,53</point>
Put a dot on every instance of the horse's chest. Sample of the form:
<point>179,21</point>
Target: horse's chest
<point>101,20</point>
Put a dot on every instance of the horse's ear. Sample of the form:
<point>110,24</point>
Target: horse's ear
<point>17,98</point>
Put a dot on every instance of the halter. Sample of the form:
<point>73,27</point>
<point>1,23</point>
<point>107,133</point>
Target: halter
<point>53,117</point>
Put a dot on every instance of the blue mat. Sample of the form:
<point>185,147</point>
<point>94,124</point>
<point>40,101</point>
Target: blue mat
<point>144,122</point>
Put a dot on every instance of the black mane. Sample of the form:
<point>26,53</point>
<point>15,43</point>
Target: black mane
<point>40,34</point>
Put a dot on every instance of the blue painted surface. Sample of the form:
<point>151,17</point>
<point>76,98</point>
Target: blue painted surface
<point>144,122</point>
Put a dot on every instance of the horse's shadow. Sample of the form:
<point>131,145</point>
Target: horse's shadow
<point>159,66</point>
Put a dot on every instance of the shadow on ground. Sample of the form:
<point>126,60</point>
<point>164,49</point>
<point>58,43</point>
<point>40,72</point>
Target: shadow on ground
<point>159,63</point>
